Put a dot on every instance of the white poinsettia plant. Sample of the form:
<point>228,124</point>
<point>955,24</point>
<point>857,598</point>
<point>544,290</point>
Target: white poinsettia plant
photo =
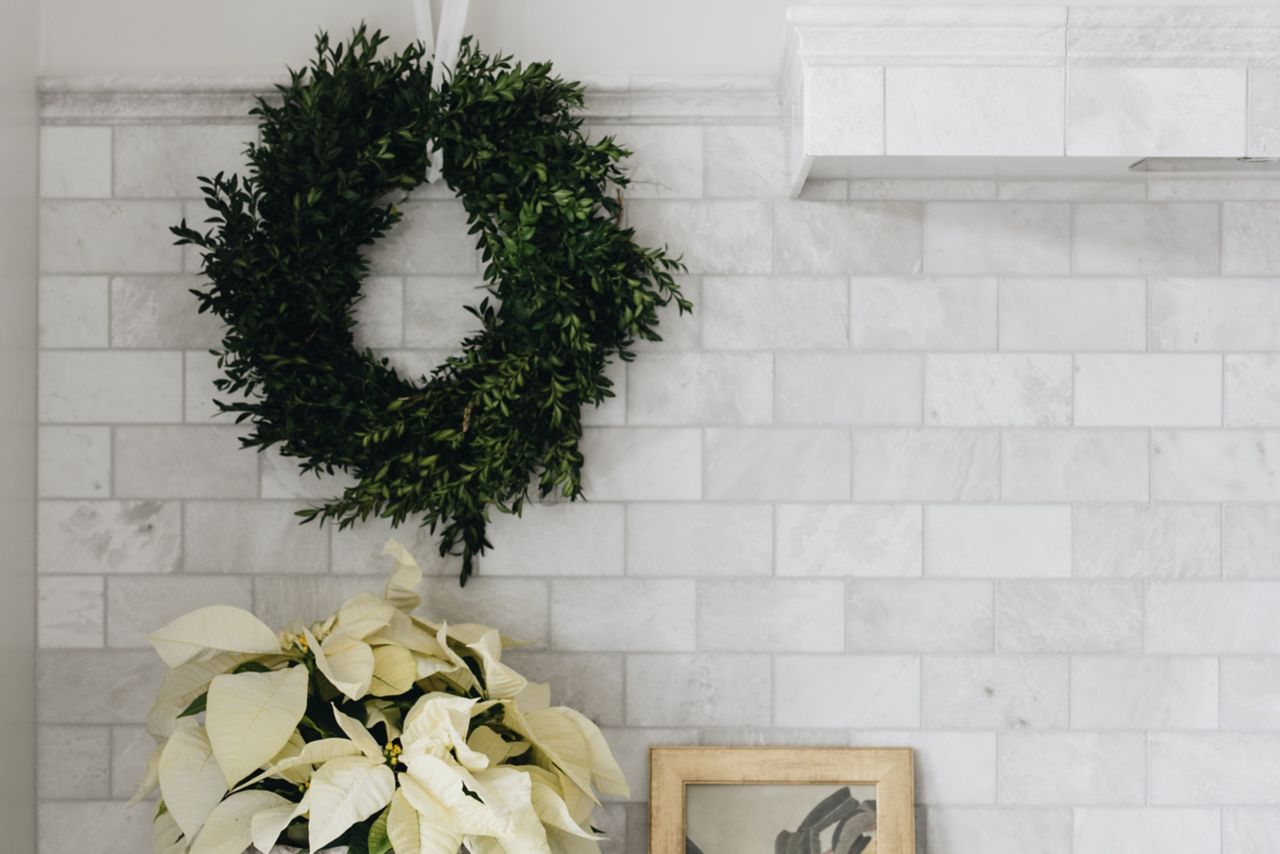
<point>373,729</point>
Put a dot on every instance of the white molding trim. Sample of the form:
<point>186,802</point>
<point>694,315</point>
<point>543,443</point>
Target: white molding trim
<point>635,100</point>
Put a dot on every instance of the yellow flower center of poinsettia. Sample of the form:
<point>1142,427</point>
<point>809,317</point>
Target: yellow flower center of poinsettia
<point>392,752</point>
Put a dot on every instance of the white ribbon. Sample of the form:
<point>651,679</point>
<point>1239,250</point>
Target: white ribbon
<point>442,48</point>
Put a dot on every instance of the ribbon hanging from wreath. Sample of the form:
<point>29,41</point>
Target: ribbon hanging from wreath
<point>568,287</point>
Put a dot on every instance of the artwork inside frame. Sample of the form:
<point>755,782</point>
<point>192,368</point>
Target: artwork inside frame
<point>781,800</point>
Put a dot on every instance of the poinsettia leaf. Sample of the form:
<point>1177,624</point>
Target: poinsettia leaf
<point>251,716</point>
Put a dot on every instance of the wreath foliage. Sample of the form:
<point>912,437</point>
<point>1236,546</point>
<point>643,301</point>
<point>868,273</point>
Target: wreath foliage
<point>568,288</point>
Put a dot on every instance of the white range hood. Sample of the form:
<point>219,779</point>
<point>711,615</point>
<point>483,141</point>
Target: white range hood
<point>909,91</point>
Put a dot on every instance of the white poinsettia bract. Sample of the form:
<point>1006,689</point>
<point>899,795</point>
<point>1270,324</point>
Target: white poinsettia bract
<point>374,728</point>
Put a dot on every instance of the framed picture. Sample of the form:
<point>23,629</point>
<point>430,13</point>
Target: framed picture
<point>781,800</point>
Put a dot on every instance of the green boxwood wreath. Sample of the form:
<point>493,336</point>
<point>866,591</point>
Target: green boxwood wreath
<point>568,287</point>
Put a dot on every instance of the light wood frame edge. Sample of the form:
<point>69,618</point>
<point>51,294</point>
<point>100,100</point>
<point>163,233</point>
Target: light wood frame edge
<point>890,768</point>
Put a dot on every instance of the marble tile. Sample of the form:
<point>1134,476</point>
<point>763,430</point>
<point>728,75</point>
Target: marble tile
<point>930,464</point>
<point>103,826</point>
<point>131,747</point>
<point>1144,693</point>
<point>779,313</point>
<point>1165,112</point>
<point>358,549</point>
<point>160,313</point>
<point>435,316</point>
<point>865,238</point>
<point>975,110</point>
<point>697,690</point>
<point>915,189</point>
<point>1204,617</point>
<point>711,236</point>
<point>557,539</point>
<point>631,747</point>
<point>1051,314</point>
<point>1001,692</point>
<point>997,237</point>
<point>862,691</point>
<point>1251,541</point>
<point>590,683</point>
<point>642,464</point>
<point>183,462</point>
<point>680,331</point>
<point>1069,616</point>
<point>74,312</point>
<point>199,373</point>
<point>138,605</point>
<point>282,477</point>
<point>1250,693</point>
<point>73,762</point>
<point>952,768</point>
<point>97,537</point>
<point>1074,465</point>
<point>920,616</point>
<point>1215,314</point>
<point>74,462</point>
<point>780,464</point>
<point>1264,107</point>
<point>855,389</point>
<point>1148,390</point>
<point>665,162</point>
<point>1148,831</point>
<point>700,388</point>
<point>1247,231</point>
<point>1072,190</point>
<point>1206,769</point>
<point>1147,541</point>
<point>518,605</point>
<point>844,110</point>
<point>75,162</point>
<point>996,541</point>
<point>96,686</point>
<point>956,830</point>
<point>71,612</point>
<point>165,160</point>
<point>1251,391</point>
<point>692,540</point>
<point>1229,465</point>
<point>431,239</point>
<point>853,540</point>
<point>1060,768</point>
<point>744,162</point>
<point>1249,830</point>
<point>770,616</point>
<point>380,313</point>
<point>90,386</point>
<point>109,237</point>
<point>1137,238</point>
<point>932,313</point>
<point>987,390</point>
<point>1175,189</point>
<point>249,537</point>
<point>659,615</point>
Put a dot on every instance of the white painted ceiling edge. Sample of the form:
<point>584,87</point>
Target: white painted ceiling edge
<point>584,38</point>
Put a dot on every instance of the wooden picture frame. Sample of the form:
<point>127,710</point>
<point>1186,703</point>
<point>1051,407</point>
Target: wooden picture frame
<point>889,769</point>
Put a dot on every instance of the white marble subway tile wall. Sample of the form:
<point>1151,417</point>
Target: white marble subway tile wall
<point>987,468</point>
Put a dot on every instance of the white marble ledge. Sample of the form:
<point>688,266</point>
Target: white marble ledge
<point>1037,35</point>
<point>1221,36</point>
<point>187,99</point>
<point>929,35</point>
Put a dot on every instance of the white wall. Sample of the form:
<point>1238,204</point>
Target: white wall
<point>17,423</point>
<point>983,468</point>
<point>585,38</point>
